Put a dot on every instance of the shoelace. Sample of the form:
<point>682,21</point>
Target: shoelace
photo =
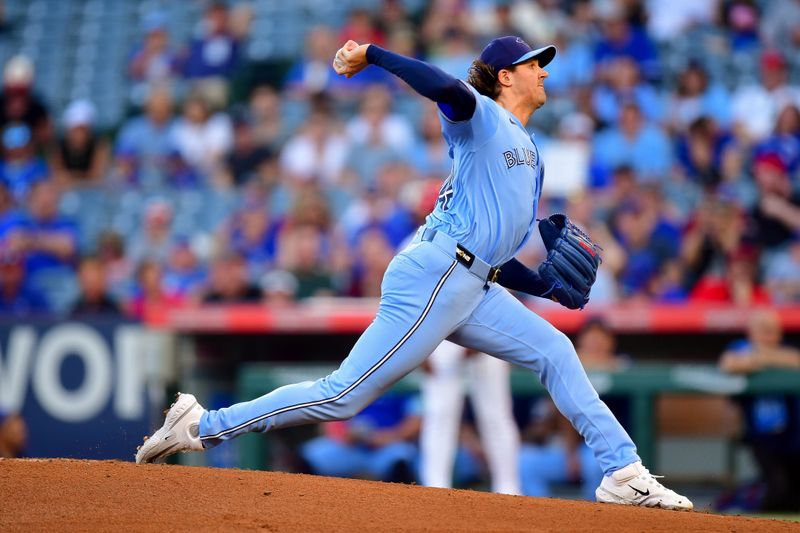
<point>652,480</point>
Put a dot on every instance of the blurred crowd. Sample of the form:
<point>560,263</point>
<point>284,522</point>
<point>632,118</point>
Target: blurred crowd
<point>671,133</point>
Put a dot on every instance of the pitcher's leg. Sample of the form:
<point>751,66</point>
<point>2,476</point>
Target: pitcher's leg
<point>442,401</point>
<point>418,308</point>
<point>502,326</point>
<point>490,395</point>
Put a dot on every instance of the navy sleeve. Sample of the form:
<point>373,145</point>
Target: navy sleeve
<point>455,100</point>
<point>516,276</point>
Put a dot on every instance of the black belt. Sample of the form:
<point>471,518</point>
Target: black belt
<point>475,264</point>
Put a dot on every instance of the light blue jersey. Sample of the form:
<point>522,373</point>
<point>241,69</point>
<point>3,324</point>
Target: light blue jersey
<point>489,201</point>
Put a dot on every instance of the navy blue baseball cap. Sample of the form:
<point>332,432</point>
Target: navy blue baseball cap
<point>504,52</point>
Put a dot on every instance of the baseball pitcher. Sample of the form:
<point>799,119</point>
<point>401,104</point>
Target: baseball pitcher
<point>450,282</point>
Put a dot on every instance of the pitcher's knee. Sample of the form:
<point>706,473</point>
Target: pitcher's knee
<point>561,346</point>
<point>346,408</point>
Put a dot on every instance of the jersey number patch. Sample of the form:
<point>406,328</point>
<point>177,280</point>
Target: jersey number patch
<point>446,193</point>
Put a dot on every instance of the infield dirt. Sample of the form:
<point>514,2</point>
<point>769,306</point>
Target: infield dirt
<point>71,495</point>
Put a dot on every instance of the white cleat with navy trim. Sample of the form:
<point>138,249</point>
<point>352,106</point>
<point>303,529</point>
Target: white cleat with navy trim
<point>635,485</point>
<point>180,432</point>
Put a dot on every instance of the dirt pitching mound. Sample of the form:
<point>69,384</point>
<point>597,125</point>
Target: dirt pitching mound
<point>69,495</point>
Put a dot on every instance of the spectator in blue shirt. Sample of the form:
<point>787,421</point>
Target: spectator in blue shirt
<point>668,285</point>
<point>430,154</point>
<point>785,140</point>
<point>377,208</point>
<point>16,298</point>
<point>49,244</point>
<point>454,54</point>
<point>48,239</point>
<point>624,85</point>
<point>772,422</point>
<point>741,17</point>
<point>700,152</point>
<point>253,235</point>
<point>696,96</point>
<point>643,146</point>
<point>378,443</point>
<point>20,167</point>
<point>185,275</point>
<point>622,39</point>
<point>313,73</point>
<point>180,174</point>
<point>145,141</point>
<point>575,65</point>
<point>216,50</point>
<point>153,60</point>
<point>648,240</point>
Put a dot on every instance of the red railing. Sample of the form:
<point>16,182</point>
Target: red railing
<point>353,316</point>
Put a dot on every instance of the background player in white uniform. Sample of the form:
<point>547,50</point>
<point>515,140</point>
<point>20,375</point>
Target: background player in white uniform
<point>446,284</point>
<point>442,402</point>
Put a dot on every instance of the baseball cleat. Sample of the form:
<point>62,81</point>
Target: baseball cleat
<point>180,432</point>
<point>635,485</point>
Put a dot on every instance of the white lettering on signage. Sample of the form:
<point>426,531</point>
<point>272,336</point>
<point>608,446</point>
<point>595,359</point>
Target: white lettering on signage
<point>131,375</point>
<point>16,369</point>
<point>24,363</point>
<point>86,401</point>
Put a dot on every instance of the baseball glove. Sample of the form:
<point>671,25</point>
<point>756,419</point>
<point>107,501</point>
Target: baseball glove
<point>572,261</point>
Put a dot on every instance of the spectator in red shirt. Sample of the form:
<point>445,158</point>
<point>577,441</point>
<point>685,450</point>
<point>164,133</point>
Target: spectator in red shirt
<point>361,29</point>
<point>149,293</point>
<point>737,285</point>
